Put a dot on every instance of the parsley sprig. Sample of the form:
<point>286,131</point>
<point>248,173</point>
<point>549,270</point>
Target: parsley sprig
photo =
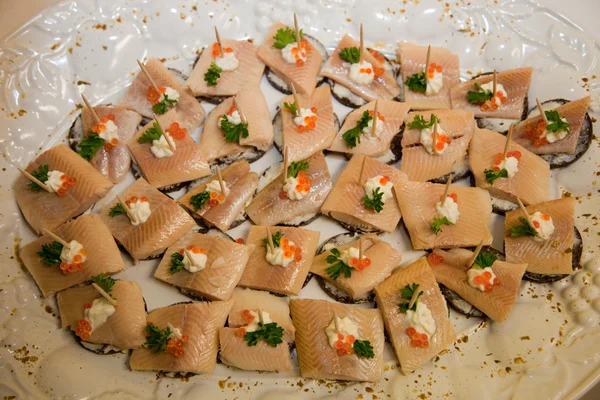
<point>296,167</point>
<point>363,349</point>
<point>522,229</point>
<point>163,106</point>
<point>41,174</point>
<point>352,136</point>
<point>421,123</point>
<point>436,226</point>
<point>286,36</point>
<point>176,262</point>
<point>375,201</point>
<point>118,209</point>
<point>338,267</point>
<point>350,54</point>
<point>198,200</point>
<point>233,132</point>
<point>491,175</point>
<point>417,82</point>
<point>105,282</point>
<point>212,74</point>
<point>50,253</point>
<point>291,107</point>
<point>152,133</point>
<point>480,96</point>
<point>271,333</point>
<point>156,339</point>
<point>484,260</point>
<point>556,124</point>
<point>276,239</point>
<point>89,145</point>
<point>407,293</point>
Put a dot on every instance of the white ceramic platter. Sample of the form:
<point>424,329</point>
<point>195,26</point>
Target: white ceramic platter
<point>547,349</point>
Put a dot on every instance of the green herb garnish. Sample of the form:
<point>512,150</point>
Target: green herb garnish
<point>152,133</point>
<point>156,339</point>
<point>338,266</point>
<point>163,106</point>
<point>375,202</point>
<point>522,229</point>
<point>105,282</point>
<point>407,293</point>
<point>480,96</point>
<point>271,333</point>
<point>286,36</point>
<point>352,136</point>
<point>417,82</point>
<point>556,124</point>
<point>51,253</point>
<point>118,209</point>
<point>484,260</point>
<point>491,175</point>
<point>198,200</point>
<point>420,123</point>
<point>291,107</point>
<point>212,74</point>
<point>276,239</point>
<point>89,145</point>
<point>436,226</point>
<point>41,174</point>
<point>363,349</point>
<point>176,262</point>
<point>233,132</point>
<point>350,54</point>
<point>296,167</point>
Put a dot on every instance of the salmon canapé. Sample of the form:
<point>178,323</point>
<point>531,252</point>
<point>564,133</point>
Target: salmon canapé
<point>451,270</point>
<point>141,96</point>
<point>56,269</point>
<point>248,72</point>
<point>302,66</point>
<point>380,82</point>
<point>207,202</point>
<point>197,328</point>
<point>59,167</point>
<point>153,222</point>
<point>325,352</point>
<point>414,343</point>
<point>124,328</point>
<point>443,73</point>
<point>531,180</point>
<point>206,266</point>
<point>373,143</point>
<point>113,159</point>
<point>550,250</point>
<point>346,201</point>
<point>161,165</point>
<point>273,205</point>
<point>293,247</point>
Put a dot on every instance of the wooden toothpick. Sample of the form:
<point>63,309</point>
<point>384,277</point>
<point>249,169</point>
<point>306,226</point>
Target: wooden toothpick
<point>427,60</point>
<point>508,137</point>
<point>360,249</point>
<point>448,183</point>
<point>336,322</point>
<point>221,183</point>
<point>297,30</point>
<point>145,71</point>
<point>296,100</point>
<point>362,170</point>
<point>362,44</point>
<point>56,237</point>
<point>165,134</point>
<point>89,107</point>
<point>36,181</point>
<point>413,299</point>
<point>475,254</point>
<point>285,164</point>
<point>173,330</point>
<point>494,83</point>
<point>270,240</point>
<point>541,109</point>
<point>126,207</point>
<point>219,42</point>
<point>237,107</point>
<point>435,136</point>
<point>527,216</point>
<point>105,295</point>
<point>374,131</point>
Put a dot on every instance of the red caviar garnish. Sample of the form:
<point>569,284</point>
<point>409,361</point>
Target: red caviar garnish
<point>435,259</point>
<point>239,241</point>
<point>152,96</point>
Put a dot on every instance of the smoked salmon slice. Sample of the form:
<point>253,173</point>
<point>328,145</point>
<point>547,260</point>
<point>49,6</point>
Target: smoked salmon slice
<point>123,329</point>
<point>531,183</point>
<point>383,87</point>
<point>201,323</point>
<point>225,262</point>
<point>303,77</point>
<point>391,115</point>
<point>412,60</point>
<point>345,201</point>
<point>574,112</point>
<point>418,201</point>
<point>262,275</point>
<point>303,144</point>
<point>103,255</point>
<point>113,164</point>
<point>388,296</point>
<point>421,166</point>
<point>166,223</point>
<point>383,260</point>
<point>248,73</point>
<point>516,84</point>
<point>451,271</point>
<point>189,111</point>
<point>317,359</point>
<point>268,208</point>
<point>550,257</point>
<point>241,183</point>
<point>184,165</point>
<point>45,210</point>
<point>252,104</point>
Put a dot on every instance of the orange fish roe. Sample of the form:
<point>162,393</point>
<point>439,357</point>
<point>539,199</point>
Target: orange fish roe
<point>152,96</point>
<point>377,55</point>
<point>76,264</point>
<point>498,159</point>
<point>217,52</point>
<point>381,117</point>
<point>545,217</point>
<point>84,328</point>
<point>535,132</point>
<point>195,250</point>
<point>101,127</point>
<point>239,241</point>
<point>417,339</point>
<point>240,332</point>
<point>433,68</point>
<point>216,198</point>
<point>248,316</point>
<point>303,183</point>
<point>435,259</point>
<point>290,251</point>
<point>175,346</point>
<point>283,195</point>
<point>383,181</point>
<point>344,345</point>
<point>442,141</point>
<point>485,280</point>
<point>301,52</point>
<point>359,266</point>
<point>309,123</point>
<point>175,131</point>
<point>493,103</point>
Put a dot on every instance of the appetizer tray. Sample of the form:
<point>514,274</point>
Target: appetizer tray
<point>549,346</point>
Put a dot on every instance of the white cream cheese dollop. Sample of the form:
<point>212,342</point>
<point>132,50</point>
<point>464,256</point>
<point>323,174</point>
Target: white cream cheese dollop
<point>278,256</point>
<point>499,89</point>
<point>253,326</point>
<point>54,181</point>
<point>161,149</point>
<point>449,210</point>
<point>99,312</point>
<point>434,84</point>
<point>68,253</point>
<point>214,186</point>
<point>375,182</point>
<point>552,137</point>
<point>234,118</point>
<point>362,78</point>
<point>140,211</point>
<point>111,131</point>
<point>194,262</point>
<point>304,112</point>
<point>472,273</point>
<point>368,130</point>
<point>292,192</point>
<point>289,55</point>
<point>171,93</point>
<point>347,328</point>
<point>421,320</point>
<point>510,164</point>
<point>426,140</point>
<point>228,62</point>
<point>543,225</point>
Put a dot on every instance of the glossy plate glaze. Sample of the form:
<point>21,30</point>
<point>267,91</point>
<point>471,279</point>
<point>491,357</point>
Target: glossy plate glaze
<point>548,348</point>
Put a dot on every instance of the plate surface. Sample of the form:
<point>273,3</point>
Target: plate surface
<point>548,348</point>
